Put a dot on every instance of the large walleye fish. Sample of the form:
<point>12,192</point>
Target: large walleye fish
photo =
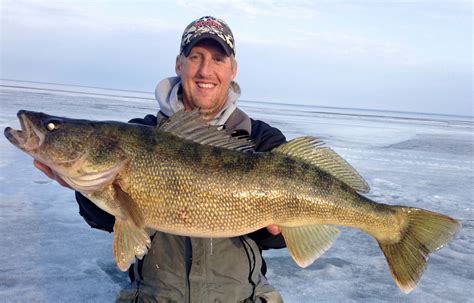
<point>188,178</point>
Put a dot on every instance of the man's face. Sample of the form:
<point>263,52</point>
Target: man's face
<point>206,75</point>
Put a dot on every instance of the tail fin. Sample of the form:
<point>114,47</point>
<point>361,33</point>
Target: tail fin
<point>425,232</point>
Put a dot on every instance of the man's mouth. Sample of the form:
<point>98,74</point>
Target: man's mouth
<point>206,85</point>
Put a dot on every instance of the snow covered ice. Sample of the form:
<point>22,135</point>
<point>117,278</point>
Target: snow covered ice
<point>49,254</point>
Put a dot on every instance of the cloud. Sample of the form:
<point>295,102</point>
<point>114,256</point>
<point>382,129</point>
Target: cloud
<point>318,27</point>
<point>334,44</point>
<point>39,14</point>
<point>349,45</point>
<point>252,9</point>
<point>75,14</point>
<point>302,26</point>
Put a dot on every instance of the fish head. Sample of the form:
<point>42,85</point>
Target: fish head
<point>70,147</point>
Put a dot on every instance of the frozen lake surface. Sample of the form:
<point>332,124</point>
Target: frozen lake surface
<point>49,254</point>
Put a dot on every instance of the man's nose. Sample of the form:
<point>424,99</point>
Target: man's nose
<point>205,68</point>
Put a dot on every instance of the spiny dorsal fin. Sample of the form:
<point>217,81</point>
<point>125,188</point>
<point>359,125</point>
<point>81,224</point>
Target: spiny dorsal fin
<point>307,243</point>
<point>191,126</point>
<point>312,151</point>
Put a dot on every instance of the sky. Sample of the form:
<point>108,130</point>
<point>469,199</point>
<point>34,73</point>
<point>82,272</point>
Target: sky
<point>411,56</point>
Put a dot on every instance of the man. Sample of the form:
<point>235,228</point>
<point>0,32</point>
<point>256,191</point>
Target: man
<point>186,269</point>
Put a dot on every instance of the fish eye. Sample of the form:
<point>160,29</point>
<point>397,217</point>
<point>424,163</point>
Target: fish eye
<point>52,125</point>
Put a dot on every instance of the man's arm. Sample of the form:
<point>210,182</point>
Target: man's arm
<point>93,215</point>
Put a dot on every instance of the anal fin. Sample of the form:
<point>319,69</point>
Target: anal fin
<point>307,243</point>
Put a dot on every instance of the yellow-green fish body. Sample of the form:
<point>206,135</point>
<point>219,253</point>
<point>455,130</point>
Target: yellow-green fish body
<point>188,178</point>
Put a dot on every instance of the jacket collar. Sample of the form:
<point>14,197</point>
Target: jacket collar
<point>170,100</point>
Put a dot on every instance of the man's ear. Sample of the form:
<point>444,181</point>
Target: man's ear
<point>234,71</point>
<point>177,66</point>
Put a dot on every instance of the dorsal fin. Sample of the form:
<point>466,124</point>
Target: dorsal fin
<point>191,126</point>
<point>312,151</point>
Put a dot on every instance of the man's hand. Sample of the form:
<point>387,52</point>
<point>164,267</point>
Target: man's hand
<point>274,230</point>
<point>50,173</point>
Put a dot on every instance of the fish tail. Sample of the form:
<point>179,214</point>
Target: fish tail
<point>422,232</point>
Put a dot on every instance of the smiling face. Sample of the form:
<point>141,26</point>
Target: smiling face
<point>206,75</point>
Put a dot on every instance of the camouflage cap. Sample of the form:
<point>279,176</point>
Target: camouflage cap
<point>207,28</point>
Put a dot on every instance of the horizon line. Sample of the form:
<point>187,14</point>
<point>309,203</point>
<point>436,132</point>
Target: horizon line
<point>241,100</point>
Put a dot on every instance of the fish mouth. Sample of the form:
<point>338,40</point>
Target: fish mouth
<point>29,137</point>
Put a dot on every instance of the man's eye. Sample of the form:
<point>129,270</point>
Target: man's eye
<point>194,57</point>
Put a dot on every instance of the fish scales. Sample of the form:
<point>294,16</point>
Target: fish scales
<point>199,197</point>
<point>207,193</point>
<point>189,178</point>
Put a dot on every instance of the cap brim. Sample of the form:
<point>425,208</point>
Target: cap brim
<point>227,49</point>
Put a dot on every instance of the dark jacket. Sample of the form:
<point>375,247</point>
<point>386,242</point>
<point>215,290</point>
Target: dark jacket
<point>264,138</point>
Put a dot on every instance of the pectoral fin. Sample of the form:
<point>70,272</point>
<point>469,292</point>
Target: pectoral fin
<point>130,242</point>
<point>130,208</point>
<point>131,238</point>
<point>306,243</point>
